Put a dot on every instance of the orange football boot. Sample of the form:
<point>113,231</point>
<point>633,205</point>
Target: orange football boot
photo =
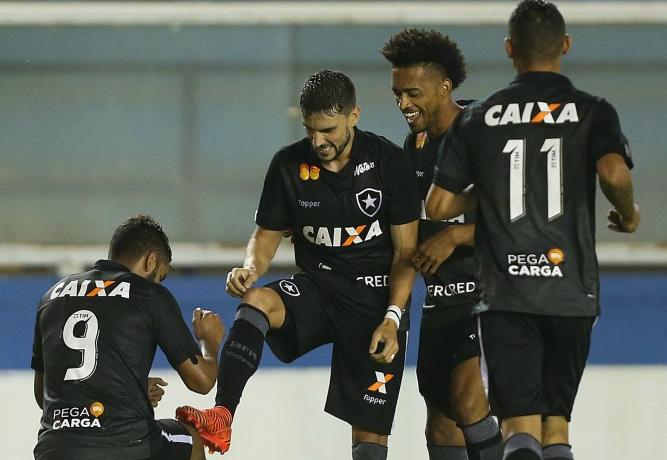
<point>213,425</point>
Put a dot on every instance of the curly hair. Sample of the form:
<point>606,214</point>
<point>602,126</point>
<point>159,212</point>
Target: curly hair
<point>536,28</point>
<point>137,236</point>
<point>327,91</point>
<point>426,47</point>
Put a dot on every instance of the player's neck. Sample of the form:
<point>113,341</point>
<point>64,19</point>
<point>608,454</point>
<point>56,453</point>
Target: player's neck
<point>547,66</point>
<point>445,118</point>
<point>343,159</point>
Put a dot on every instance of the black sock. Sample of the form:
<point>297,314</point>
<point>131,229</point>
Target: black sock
<point>557,452</point>
<point>483,439</point>
<point>369,451</point>
<point>240,355</point>
<point>446,452</point>
<point>522,446</point>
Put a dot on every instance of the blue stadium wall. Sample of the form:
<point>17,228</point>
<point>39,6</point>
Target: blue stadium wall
<point>631,329</point>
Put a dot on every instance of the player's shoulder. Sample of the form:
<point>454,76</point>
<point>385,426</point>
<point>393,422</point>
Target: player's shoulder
<point>295,152</point>
<point>376,144</point>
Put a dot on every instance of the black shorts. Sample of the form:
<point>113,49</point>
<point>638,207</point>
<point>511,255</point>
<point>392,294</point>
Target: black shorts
<point>326,308</point>
<point>534,362</point>
<point>168,440</point>
<point>447,337</point>
<point>176,441</point>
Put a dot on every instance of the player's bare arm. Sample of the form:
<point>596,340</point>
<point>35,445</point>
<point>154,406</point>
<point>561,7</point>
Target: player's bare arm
<point>155,390</point>
<point>442,204</point>
<point>38,385</point>
<point>260,251</point>
<point>616,184</point>
<point>436,249</point>
<point>200,376</point>
<point>401,279</point>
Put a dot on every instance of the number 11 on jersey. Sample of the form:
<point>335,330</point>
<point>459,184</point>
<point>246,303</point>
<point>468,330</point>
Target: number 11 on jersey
<point>517,156</point>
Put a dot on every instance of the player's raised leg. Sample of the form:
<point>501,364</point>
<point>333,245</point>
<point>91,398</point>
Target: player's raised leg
<point>261,309</point>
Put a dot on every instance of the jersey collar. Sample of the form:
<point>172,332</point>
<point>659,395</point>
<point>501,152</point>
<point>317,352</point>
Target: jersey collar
<point>109,265</point>
<point>542,78</point>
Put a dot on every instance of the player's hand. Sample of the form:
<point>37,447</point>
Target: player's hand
<point>433,252</point>
<point>155,391</point>
<point>384,342</point>
<point>239,280</point>
<point>208,326</point>
<point>618,223</point>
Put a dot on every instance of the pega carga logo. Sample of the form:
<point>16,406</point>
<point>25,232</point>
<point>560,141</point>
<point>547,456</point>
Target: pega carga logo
<point>537,265</point>
<point>342,236</point>
<point>531,112</point>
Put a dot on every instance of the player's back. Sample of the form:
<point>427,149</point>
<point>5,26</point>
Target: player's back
<point>95,342</point>
<point>533,148</point>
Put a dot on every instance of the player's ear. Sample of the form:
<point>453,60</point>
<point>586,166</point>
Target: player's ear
<point>150,263</point>
<point>508,48</point>
<point>446,87</point>
<point>353,118</point>
<point>567,43</point>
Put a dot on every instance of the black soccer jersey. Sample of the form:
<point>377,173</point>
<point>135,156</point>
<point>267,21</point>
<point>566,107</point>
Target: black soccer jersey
<point>341,221</point>
<point>455,281</point>
<point>95,338</point>
<point>531,150</point>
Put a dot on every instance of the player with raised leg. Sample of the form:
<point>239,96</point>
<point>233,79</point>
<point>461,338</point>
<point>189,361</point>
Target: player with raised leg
<point>350,198</point>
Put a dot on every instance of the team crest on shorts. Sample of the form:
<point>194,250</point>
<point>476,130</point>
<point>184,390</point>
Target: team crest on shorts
<point>369,201</point>
<point>289,288</point>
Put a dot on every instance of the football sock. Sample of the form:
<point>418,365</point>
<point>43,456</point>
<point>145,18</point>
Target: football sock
<point>557,452</point>
<point>522,446</point>
<point>446,452</point>
<point>369,451</point>
<point>241,354</point>
<point>483,439</point>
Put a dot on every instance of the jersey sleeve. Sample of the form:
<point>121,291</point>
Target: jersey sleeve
<point>273,212</point>
<point>37,361</point>
<point>606,135</point>
<point>452,168</point>
<point>171,333</point>
<point>403,202</point>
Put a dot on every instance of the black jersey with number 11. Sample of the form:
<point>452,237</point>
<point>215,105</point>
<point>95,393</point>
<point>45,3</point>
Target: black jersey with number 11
<point>531,151</point>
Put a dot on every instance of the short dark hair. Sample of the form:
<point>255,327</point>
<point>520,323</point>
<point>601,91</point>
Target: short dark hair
<point>137,236</point>
<point>426,47</point>
<point>537,29</point>
<point>327,91</point>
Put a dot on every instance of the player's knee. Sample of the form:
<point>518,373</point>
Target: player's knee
<point>264,299</point>
<point>555,430</point>
<point>442,431</point>
<point>469,406</point>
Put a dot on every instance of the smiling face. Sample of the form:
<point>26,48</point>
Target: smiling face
<point>421,95</point>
